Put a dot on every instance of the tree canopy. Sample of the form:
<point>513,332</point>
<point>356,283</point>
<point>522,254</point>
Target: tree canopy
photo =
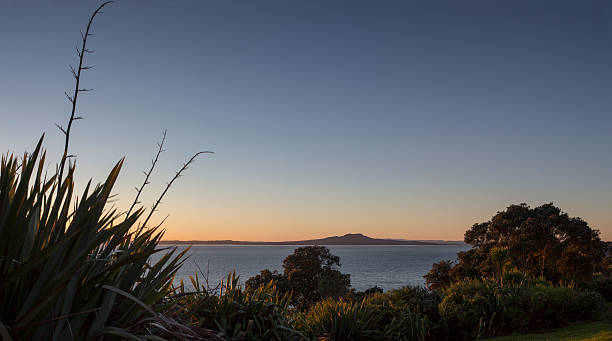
<point>541,242</point>
<point>311,273</point>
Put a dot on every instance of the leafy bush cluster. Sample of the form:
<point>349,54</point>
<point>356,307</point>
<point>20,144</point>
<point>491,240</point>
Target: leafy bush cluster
<point>236,314</point>
<point>474,308</point>
<point>341,320</point>
<point>467,310</point>
<point>601,284</point>
<point>374,318</point>
<point>74,273</point>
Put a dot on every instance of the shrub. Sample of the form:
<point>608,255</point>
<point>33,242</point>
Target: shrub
<point>341,320</point>
<point>464,306</point>
<point>373,290</point>
<point>552,306</point>
<point>376,317</point>
<point>74,268</point>
<point>514,277</point>
<point>259,314</point>
<point>407,325</point>
<point>418,299</point>
<point>84,265</point>
<point>358,296</point>
<point>439,276</point>
<point>600,284</point>
<point>485,308</point>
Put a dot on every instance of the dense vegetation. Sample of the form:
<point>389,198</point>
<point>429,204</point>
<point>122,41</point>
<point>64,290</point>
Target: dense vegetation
<point>75,273</point>
<point>74,268</point>
<point>535,242</point>
<point>529,270</point>
<point>465,309</point>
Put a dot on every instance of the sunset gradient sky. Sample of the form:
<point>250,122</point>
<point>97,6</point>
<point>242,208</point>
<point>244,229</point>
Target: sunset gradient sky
<point>327,117</point>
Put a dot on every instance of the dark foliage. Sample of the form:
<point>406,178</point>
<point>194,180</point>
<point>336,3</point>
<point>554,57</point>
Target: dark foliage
<point>258,314</point>
<point>541,241</point>
<point>358,296</point>
<point>310,273</point>
<point>600,284</point>
<point>476,309</point>
<point>264,278</point>
<point>439,276</point>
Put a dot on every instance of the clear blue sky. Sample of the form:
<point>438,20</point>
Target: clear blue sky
<point>327,117</point>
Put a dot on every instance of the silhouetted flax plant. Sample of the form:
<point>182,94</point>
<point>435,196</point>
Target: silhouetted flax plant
<point>71,268</point>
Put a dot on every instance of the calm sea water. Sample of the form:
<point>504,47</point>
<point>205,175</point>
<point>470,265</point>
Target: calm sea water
<point>385,266</point>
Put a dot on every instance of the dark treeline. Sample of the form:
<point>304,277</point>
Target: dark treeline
<point>530,269</point>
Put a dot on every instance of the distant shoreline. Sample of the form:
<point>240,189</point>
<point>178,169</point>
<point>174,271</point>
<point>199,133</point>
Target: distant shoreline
<point>348,239</point>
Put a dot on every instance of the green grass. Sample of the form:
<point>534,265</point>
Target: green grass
<point>589,331</point>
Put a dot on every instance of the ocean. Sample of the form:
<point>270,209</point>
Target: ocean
<point>372,265</point>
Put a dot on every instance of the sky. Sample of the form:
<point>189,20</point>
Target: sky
<point>390,118</point>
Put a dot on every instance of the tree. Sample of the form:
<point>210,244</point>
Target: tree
<point>310,273</point>
<point>439,276</point>
<point>541,241</point>
<point>499,257</point>
<point>266,276</point>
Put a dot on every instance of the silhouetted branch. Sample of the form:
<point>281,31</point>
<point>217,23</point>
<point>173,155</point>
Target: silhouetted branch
<point>73,71</point>
<point>147,174</point>
<point>176,176</point>
<point>69,97</point>
<point>60,128</point>
<point>73,98</point>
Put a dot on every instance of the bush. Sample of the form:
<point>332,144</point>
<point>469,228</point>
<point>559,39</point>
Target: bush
<point>77,260</point>
<point>514,277</point>
<point>358,296</point>
<point>602,285</point>
<point>421,301</point>
<point>376,317</point>
<point>485,308</point>
<point>341,320</point>
<point>553,306</point>
<point>407,325</point>
<point>439,276</point>
<point>418,299</point>
<point>399,319</point>
<point>258,314</point>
